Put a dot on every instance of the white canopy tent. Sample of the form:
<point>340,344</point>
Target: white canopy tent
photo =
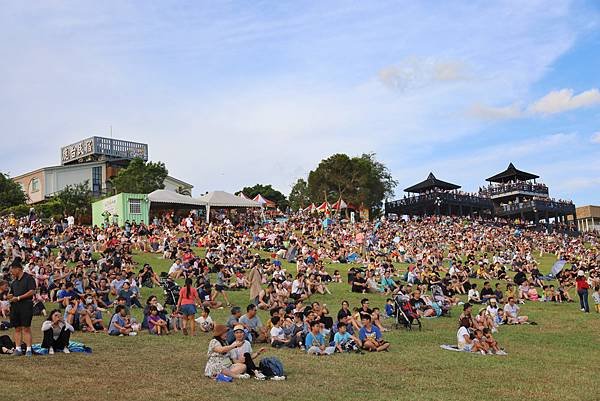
<point>166,196</point>
<point>222,199</point>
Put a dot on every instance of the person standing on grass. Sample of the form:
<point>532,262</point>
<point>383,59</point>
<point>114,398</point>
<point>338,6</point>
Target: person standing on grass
<point>255,281</point>
<point>22,289</point>
<point>582,291</point>
<point>188,298</point>
<point>221,284</point>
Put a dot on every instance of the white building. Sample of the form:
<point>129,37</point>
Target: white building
<point>95,160</point>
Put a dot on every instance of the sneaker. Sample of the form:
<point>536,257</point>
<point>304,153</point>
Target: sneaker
<point>244,376</point>
<point>133,333</point>
<point>482,352</point>
<point>278,378</point>
<point>66,351</point>
<point>583,310</point>
<point>28,353</point>
<point>50,351</point>
<point>259,375</point>
<point>18,352</point>
<point>501,352</point>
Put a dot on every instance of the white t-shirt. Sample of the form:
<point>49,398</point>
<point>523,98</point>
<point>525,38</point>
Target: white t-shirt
<point>511,311</point>
<point>206,324</point>
<point>277,334</point>
<point>237,353</point>
<point>473,294</point>
<point>460,337</point>
<point>174,268</point>
<point>71,220</point>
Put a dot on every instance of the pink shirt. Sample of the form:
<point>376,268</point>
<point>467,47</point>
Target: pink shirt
<point>188,300</point>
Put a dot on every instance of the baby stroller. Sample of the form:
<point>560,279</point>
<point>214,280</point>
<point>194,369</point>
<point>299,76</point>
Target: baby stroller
<point>405,314</point>
<point>171,291</point>
<point>437,295</point>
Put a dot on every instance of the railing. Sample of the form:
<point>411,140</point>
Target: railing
<point>466,199</point>
<point>492,191</point>
<point>537,205</point>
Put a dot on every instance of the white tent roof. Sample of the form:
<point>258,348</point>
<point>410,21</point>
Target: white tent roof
<point>225,199</point>
<point>165,196</point>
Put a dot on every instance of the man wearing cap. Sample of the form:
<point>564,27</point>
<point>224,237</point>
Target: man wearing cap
<point>22,289</point>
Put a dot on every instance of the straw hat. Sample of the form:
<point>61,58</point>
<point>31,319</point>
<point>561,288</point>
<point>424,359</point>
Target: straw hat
<point>219,330</point>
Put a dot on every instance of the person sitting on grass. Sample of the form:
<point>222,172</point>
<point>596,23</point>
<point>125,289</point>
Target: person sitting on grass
<point>206,298</point>
<point>278,337</point>
<point>492,343</point>
<point>219,361</point>
<point>119,324</point>
<point>315,341</point>
<point>473,296</point>
<point>344,341</point>
<point>56,332</point>
<point>205,322</point>
<point>253,325</point>
<point>465,343</point>
<point>244,354</point>
<point>511,312</point>
<point>156,325</point>
<point>370,336</point>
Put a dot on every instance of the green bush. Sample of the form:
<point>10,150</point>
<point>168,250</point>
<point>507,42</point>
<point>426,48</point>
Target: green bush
<point>18,210</point>
<point>50,208</point>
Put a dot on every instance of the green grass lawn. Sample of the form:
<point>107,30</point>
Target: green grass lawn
<point>555,360</point>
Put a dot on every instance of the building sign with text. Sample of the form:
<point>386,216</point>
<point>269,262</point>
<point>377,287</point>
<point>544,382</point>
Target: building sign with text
<point>77,150</point>
<point>99,146</point>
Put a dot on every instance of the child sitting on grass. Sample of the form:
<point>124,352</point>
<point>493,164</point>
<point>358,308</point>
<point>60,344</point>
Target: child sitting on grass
<point>344,341</point>
<point>119,323</point>
<point>337,278</point>
<point>205,322</point>
<point>156,325</point>
<point>491,341</point>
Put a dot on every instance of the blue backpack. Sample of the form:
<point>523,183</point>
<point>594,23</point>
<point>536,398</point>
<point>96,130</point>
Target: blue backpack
<point>271,366</point>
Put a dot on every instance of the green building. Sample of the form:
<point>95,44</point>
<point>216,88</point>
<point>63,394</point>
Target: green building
<point>120,208</point>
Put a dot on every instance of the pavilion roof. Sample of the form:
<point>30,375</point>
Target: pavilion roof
<point>431,183</point>
<point>512,173</point>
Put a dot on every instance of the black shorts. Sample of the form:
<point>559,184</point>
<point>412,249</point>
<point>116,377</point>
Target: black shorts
<point>220,288</point>
<point>21,314</point>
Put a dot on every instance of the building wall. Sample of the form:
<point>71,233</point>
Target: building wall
<point>173,185</point>
<point>59,177</point>
<point>29,181</point>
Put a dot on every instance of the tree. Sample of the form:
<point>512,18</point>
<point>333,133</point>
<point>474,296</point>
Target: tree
<point>268,192</point>
<point>299,195</point>
<point>140,177</point>
<point>11,193</point>
<point>358,180</point>
<point>75,199</point>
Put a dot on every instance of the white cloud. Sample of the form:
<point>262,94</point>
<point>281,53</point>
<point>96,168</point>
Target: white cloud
<point>563,100</point>
<point>415,72</point>
<point>496,113</point>
<point>596,137</point>
<point>554,102</point>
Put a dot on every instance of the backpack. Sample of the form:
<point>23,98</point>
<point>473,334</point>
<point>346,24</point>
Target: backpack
<point>271,366</point>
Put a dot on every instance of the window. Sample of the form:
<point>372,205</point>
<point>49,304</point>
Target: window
<point>34,185</point>
<point>96,180</point>
<point>135,206</point>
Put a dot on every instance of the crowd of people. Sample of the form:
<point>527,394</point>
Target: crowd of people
<point>56,263</point>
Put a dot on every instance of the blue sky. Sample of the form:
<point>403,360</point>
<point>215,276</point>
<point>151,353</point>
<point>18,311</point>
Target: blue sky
<point>231,94</point>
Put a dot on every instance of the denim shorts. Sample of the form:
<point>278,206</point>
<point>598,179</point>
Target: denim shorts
<point>188,309</point>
